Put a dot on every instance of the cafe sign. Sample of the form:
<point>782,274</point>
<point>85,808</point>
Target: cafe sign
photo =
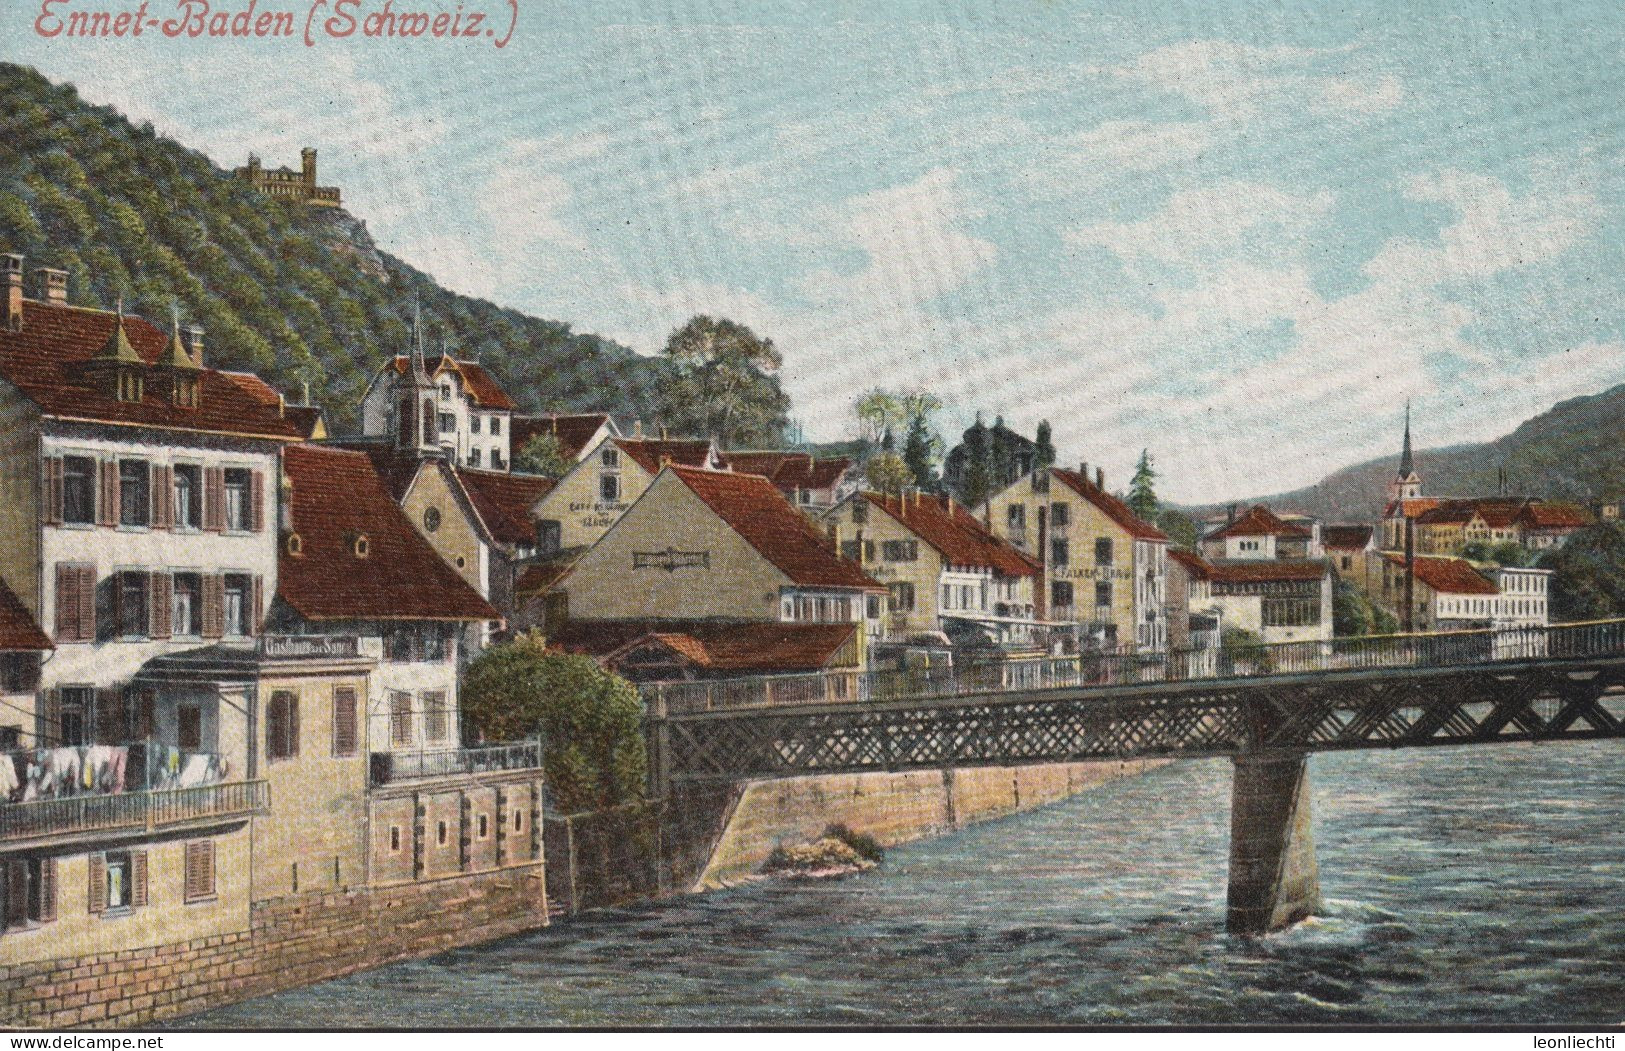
<point>671,560</point>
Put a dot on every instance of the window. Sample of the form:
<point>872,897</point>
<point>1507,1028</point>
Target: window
<point>188,496</point>
<point>186,604</point>
<point>550,535</point>
<point>872,607</point>
<point>189,727</point>
<point>1040,481</point>
<point>1060,551</point>
<point>1060,515</point>
<point>238,498</point>
<point>496,425</point>
<point>473,457</point>
<point>852,550</point>
<point>199,878</point>
<point>78,490</point>
<point>484,826</point>
<point>440,833</point>
<point>900,550</point>
<point>282,725</point>
<point>610,457</point>
<point>134,495</point>
<point>76,714</point>
<point>236,604</point>
<point>609,487</point>
<point>431,519</point>
<point>19,672</point>
<point>1016,516</point>
<point>860,511</point>
<point>1103,551</point>
<point>1348,562</point>
<point>1103,594</point>
<point>436,724</point>
<point>400,645</point>
<point>27,891</point>
<point>445,392</point>
<point>497,463</point>
<point>1289,612</point>
<point>132,605</point>
<point>395,837</point>
<point>121,881</point>
<point>518,820</point>
<point>400,718</point>
<point>345,737</point>
<point>474,424</point>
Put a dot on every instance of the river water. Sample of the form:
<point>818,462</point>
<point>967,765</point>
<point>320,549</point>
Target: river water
<point>1474,885</point>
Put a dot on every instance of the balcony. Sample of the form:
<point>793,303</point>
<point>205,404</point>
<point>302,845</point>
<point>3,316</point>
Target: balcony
<point>388,768</point>
<point>131,813</point>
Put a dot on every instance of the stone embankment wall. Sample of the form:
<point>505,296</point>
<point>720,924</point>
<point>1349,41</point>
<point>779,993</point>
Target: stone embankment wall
<point>290,941</point>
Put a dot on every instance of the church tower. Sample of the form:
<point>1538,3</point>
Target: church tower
<point>415,414</point>
<point>1407,485</point>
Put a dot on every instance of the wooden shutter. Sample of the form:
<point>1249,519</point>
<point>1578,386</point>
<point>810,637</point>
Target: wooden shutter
<point>120,628</point>
<point>163,497</point>
<point>50,718</point>
<point>293,724</point>
<point>97,890</point>
<point>214,499</point>
<point>256,500</point>
<point>146,714</point>
<point>16,873</point>
<point>109,502</point>
<point>50,503</point>
<point>256,612</point>
<point>109,715</point>
<point>160,604</point>
<point>87,603</point>
<point>138,878</point>
<point>199,870</point>
<point>47,890</point>
<point>344,720</point>
<point>214,606</point>
<point>67,603</point>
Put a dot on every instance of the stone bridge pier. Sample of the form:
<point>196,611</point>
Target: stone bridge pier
<point>1274,882</point>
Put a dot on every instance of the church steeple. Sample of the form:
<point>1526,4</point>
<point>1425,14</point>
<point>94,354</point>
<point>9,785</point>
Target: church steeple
<point>1406,466</point>
<point>415,414</point>
<point>1407,484</point>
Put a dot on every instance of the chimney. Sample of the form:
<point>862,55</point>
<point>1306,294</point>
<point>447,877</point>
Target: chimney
<point>51,286</point>
<point>1100,478</point>
<point>1083,469</point>
<point>11,266</point>
<point>194,344</point>
<point>1230,515</point>
<point>637,428</point>
<point>304,392</point>
<point>662,432</point>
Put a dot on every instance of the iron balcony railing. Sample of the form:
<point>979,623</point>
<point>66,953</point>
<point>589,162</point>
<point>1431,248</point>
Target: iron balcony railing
<point>132,811</point>
<point>1440,649</point>
<point>390,767</point>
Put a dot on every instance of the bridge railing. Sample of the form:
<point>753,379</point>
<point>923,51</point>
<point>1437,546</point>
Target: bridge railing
<point>1429,650</point>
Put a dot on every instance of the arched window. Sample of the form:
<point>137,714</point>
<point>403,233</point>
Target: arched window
<point>428,420</point>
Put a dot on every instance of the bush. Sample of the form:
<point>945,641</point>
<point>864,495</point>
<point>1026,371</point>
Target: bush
<point>590,720</point>
<point>865,845</point>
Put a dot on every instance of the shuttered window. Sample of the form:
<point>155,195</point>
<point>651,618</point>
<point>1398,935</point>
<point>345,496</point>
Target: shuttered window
<point>282,726</point>
<point>400,718</point>
<point>108,505</point>
<point>436,724</point>
<point>214,499</point>
<point>199,884</point>
<point>163,499</point>
<point>160,604</point>
<point>75,603</point>
<point>214,601</point>
<point>344,721</point>
<point>27,891</point>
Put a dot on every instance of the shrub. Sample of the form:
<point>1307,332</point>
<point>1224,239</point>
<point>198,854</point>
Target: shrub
<point>863,844</point>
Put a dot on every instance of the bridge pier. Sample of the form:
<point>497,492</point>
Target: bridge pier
<point>1274,882</point>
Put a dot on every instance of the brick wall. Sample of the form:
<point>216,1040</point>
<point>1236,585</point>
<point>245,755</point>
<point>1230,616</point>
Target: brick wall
<point>291,941</point>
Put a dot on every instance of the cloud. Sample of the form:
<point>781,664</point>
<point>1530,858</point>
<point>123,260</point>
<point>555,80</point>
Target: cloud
<point>1213,222</point>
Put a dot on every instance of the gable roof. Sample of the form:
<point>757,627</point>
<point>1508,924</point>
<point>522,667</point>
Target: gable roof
<point>504,501</point>
<point>337,497</point>
<point>1538,515</point>
<point>1346,537</point>
<point>760,514</point>
<point>573,432</point>
<point>1198,567</point>
<point>1109,505</point>
<point>45,358</point>
<point>1260,521</point>
<point>481,385</point>
<point>652,454</point>
<point>396,468</point>
<point>954,533</point>
<point>1238,571</point>
<point>1412,508</point>
<point>18,629</point>
<point>791,470</point>
<point>718,646</point>
<point>1451,576</point>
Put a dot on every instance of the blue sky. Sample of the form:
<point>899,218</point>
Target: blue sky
<point>1237,234</point>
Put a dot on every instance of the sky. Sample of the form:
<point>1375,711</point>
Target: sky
<point>1239,235</point>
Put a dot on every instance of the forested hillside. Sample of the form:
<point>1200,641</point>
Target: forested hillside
<point>297,294</point>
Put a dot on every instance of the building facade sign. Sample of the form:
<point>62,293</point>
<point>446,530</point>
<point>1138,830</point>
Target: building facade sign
<point>671,560</point>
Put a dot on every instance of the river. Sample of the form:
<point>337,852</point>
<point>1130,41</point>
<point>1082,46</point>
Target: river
<point>1473,885</point>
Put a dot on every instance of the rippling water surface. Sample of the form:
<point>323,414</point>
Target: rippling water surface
<point>1461,885</point>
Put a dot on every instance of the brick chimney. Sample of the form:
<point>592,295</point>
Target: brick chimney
<point>194,344</point>
<point>11,268</point>
<point>51,286</point>
<point>1100,478</point>
<point>1083,469</point>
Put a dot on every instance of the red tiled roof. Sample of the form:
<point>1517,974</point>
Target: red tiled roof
<point>573,432</point>
<point>1346,537</point>
<point>718,646</point>
<point>482,387</point>
<point>1453,576</point>
<point>337,496</point>
<point>504,502</point>
<point>18,630</point>
<point>759,513</point>
<point>1198,567</point>
<point>45,357</point>
<point>1412,508</point>
<point>653,453</point>
<point>537,578</point>
<point>1260,521</point>
<point>1556,516</point>
<point>397,468</point>
<point>1237,571</point>
<point>954,533</point>
<point>790,470</point>
<point>1109,505</point>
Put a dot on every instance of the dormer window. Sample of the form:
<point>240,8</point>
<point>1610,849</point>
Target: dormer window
<point>185,392</point>
<point>610,458</point>
<point>129,386</point>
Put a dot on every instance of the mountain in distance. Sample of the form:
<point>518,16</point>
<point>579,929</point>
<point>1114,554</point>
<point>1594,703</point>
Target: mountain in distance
<point>294,293</point>
<point>1573,451</point>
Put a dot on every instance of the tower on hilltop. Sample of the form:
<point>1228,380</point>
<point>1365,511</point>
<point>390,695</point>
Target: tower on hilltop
<point>286,183</point>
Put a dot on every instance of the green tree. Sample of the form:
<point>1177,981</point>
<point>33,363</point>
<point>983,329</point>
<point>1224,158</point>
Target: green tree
<point>589,719</point>
<point>544,454</point>
<point>1588,574</point>
<point>1142,496</point>
<point>1044,456</point>
<point>919,453</point>
<point>887,473</point>
<point>726,387</point>
<point>1180,527</point>
<point>976,481</point>
<point>878,411</point>
<point>1512,554</point>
